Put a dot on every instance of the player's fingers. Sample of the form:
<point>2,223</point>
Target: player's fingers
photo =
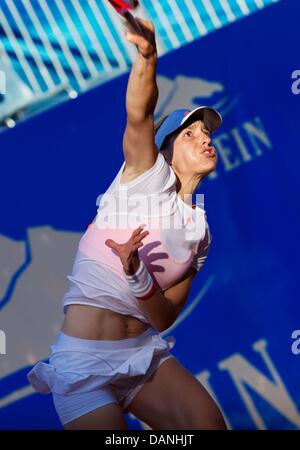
<point>146,35</point>
<point>138,230</point>
<point>112,244</point>
<point>145,47</point>
<point>133,37</point>
<point>145,23</point>
<point>137,246</point>
<point>140,237</point>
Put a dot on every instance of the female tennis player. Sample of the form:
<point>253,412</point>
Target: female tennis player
<point>130,282</point>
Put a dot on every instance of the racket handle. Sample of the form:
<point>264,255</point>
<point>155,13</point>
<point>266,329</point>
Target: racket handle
<point>130,19</point>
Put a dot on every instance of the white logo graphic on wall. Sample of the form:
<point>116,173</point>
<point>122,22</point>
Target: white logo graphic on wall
<point>296,83</point>
<point>191,92</point>
<point>296,343</point>
<point>2,342</point>
<point>2,82</point>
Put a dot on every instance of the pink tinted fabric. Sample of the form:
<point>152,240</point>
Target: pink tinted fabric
<point>97,277</point>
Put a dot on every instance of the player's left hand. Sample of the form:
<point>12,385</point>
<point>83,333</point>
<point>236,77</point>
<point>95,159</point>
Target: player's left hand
<point>128,252</point>
<point>146,42</point>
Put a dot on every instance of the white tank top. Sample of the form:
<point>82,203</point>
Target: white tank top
<point>176,232</point>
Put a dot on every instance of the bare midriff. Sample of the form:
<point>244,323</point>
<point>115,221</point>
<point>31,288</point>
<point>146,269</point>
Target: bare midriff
<point>89,322</point>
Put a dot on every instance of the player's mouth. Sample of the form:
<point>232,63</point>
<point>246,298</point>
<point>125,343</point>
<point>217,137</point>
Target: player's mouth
<point>209,152</point>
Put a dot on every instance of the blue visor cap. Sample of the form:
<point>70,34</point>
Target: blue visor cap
<point>211,118</point>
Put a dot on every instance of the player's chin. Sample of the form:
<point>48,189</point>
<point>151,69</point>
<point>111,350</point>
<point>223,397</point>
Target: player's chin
<point>209,164</point>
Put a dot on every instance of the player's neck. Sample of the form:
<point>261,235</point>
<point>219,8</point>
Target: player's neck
<point>186,186</point>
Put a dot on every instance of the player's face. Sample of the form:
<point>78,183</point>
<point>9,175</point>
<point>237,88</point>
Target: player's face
<point>192,150</point>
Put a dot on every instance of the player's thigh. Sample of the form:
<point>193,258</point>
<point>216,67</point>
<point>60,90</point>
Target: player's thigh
<point>174,399</point>
<point>107,417</point>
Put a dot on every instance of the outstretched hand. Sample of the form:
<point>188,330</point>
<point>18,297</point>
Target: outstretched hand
<point>145,43</point>
<point>128,252</point>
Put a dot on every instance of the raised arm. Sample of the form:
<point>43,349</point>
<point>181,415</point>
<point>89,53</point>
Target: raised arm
<point>141,97</point>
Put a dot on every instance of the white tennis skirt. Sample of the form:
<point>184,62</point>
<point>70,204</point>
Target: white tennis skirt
<point>85,374</point>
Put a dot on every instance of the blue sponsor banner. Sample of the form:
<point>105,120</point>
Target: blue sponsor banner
<point>238,332</point>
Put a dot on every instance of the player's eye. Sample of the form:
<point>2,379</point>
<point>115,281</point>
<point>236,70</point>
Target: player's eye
<point>188,133</point>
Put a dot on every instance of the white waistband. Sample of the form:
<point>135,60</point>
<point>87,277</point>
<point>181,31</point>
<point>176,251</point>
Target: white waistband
<point>66,341</point>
